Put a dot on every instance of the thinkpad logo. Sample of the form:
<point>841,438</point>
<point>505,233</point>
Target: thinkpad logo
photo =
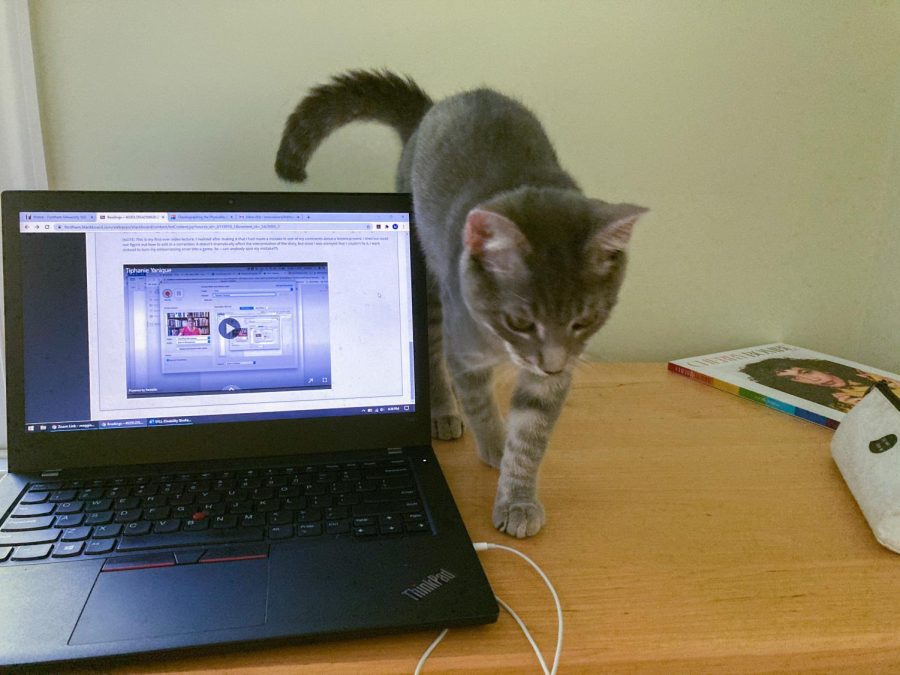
<point>429,584</point>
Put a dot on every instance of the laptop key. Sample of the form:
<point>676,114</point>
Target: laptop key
<point>35,497</point>
<point>336,512</point>
<point>395,482</point>
<point>100,546</point>
<point>309,529</point>
<point>46,486</point>
<point>64,508</point>
<point>309,515</point>
<point>99,518</point>
<point>240,506</point>
<point>22,524</point>
<point>32,510</point>
<point>166,526</point>
<point>76,534</point>
<point>70,520</point>
<point>198,538</point>
<point>280,518</point>
<point>294,503</point>
<point>374,508</point>
<point>38,552</point>
<point>158,513</point>
<point>91,494</point>
<point>213,508</point>
<point>145,490</point>
<point>155,501</point>
<point>337,526</point>
<point>194,524</point>
<point>123,503</point>
<point>253,519</point>
<point>348,499</point>
<point>136,529</point>
<point>68,549</point>
<point>224,522</point>
<point>281,532</point>
<point>264,505</point>
<point>128,515</point>
<point>95,505</point>
<point>107,531</point>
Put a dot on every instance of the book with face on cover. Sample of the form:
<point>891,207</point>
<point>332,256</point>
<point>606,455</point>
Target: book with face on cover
<point>800,382</point>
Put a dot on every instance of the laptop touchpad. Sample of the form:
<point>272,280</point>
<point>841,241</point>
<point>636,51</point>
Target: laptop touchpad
<point>146,603</point>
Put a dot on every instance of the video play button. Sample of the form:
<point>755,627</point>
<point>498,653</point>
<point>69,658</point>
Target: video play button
<point>229,328</point>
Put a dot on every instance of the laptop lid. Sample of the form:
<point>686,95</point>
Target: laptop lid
<point>155,327</point>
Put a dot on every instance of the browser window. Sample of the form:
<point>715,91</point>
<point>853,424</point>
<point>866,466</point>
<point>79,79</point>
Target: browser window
<point>191,318</point>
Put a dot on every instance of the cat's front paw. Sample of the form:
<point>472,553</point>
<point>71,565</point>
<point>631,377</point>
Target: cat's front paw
<point>519,518</point>
<point>446,427</point>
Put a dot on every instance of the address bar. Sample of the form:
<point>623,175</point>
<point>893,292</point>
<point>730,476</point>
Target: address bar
<point>130,227</point>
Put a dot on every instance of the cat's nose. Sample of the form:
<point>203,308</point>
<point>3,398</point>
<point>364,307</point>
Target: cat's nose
<point>552,359</point>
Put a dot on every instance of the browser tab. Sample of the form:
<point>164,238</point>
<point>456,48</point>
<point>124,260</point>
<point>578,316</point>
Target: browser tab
<point>135,217</point>
<point>55,216</point>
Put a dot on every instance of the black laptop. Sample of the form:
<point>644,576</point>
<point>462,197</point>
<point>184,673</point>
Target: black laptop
<point>218,426</point>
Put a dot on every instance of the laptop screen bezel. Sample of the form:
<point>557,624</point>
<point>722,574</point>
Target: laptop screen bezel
<point>31,452</point>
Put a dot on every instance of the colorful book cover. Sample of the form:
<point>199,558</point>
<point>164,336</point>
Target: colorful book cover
<point>800,382</point>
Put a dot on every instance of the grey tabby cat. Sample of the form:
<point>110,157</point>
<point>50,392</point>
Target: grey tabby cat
<point>522,266</point>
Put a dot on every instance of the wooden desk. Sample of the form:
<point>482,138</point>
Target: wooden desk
<point>688,531</point>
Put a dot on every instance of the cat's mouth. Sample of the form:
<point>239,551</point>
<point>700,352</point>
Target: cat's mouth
<point>533,367</point>
<point>550,373</point>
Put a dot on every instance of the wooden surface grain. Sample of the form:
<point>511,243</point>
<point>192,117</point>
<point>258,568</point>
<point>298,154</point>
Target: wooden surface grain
<point>688,530</point>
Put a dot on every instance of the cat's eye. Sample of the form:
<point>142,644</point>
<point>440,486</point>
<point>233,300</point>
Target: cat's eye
<point>611,261</point>
<point>583,323</point>
<point>518,324</point>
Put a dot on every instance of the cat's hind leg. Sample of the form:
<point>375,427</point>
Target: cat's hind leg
<point>534,409</point>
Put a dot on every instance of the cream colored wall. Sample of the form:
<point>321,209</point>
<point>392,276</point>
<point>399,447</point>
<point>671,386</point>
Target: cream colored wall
<point>763,135</point>
<point>876,335</point>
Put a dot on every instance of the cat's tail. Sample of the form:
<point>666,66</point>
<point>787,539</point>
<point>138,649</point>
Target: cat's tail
<point>379,96</point>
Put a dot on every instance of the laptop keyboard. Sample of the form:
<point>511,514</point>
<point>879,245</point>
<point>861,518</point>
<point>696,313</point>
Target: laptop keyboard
<point>70,519</point>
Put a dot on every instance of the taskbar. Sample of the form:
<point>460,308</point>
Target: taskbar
<point>190,420</point>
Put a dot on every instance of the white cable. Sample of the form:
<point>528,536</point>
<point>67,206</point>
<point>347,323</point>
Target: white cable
<point>537,651</point>
<point>430,649</point>
<point>516,618</point>
<point>484,546</point>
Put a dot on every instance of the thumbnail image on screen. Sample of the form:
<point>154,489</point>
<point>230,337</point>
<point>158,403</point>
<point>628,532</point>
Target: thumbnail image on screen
<point>188,323</point>
<point>203,329</point>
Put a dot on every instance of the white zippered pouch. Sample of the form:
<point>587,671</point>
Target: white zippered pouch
<point>866,448</point>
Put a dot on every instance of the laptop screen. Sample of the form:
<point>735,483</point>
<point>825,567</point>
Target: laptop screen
<point>136,319</point>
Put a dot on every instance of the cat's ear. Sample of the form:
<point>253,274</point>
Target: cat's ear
<point>616,222</point>
<point>495,241</point>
